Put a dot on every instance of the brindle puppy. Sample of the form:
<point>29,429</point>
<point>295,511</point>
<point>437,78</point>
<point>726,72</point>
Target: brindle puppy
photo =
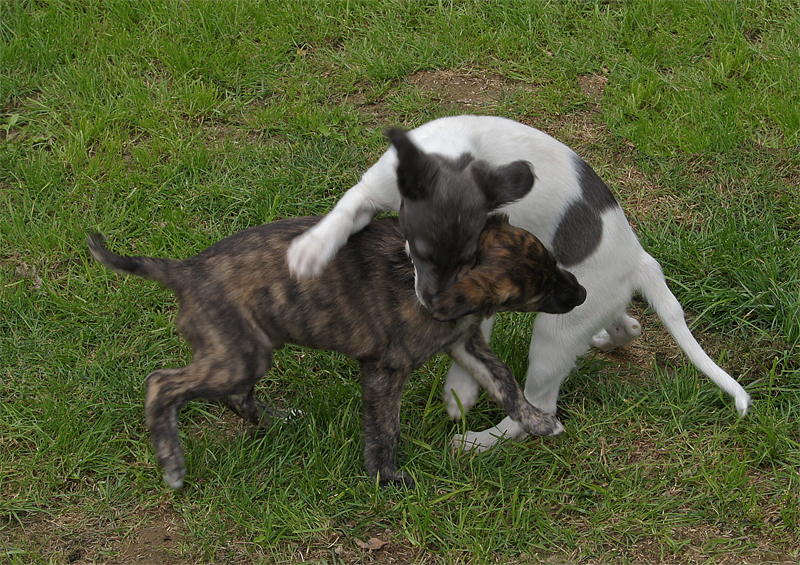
<point>238,303</point>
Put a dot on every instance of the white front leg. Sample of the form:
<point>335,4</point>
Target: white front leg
<point>309,253</point>
<point>460,387</point>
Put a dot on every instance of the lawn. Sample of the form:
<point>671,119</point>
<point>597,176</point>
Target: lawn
<point>170,125</point>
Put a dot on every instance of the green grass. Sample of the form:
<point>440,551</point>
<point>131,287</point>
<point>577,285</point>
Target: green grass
<point>169,125</point>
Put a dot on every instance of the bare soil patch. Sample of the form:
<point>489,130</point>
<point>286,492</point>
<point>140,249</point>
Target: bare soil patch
<point>464,89</point>
<point>154,540</point>
<point>82,537</point>
<point>593,86</point>
<point>461,90</point>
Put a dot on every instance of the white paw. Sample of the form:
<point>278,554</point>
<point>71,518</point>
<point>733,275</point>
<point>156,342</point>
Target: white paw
<point>631,326</point>
<point>477,442</point>
<point>464,393</point>
<point>622,332</point>
<point>602,341</point>
<point>174,480</point>
<point>308,255</point>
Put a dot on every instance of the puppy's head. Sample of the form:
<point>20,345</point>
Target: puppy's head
<point>445,203</point>
<point>514,271</point>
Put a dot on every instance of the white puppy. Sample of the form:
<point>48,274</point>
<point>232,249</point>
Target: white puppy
<point>573,213</point>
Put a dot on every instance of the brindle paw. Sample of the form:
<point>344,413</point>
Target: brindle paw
<point>175,477</point>
<point>170,458</point>
<point>545,425</point>
<point>398,480</point>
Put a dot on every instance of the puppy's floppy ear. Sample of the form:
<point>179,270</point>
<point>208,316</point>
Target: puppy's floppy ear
<point>465,296</point>
<point>414,170</point>
<point>505,184</point>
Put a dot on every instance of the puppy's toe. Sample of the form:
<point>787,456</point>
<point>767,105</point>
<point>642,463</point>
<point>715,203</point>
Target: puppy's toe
<point>558,429</point>
<point>453,407</point>
<point>631,326</point>
<point>742,403</point>
<point>548,427</point>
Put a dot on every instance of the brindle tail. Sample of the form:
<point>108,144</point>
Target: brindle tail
<point>161,270</point>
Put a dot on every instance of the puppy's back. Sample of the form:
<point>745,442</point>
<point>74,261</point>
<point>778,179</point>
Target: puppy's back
<point>362,303</point>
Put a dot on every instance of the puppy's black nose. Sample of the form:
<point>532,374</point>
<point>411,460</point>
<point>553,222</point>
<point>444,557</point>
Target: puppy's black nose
<point>580,295</point>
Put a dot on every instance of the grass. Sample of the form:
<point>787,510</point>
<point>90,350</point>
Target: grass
<point>169,125</point>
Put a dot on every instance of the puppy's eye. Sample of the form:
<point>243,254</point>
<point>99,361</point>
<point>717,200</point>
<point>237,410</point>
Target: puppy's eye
<point>423,251</point>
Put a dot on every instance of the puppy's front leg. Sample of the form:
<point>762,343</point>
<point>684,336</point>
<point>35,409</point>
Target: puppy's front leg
<point>460,389</point>
<point>310,252</point>
<point>498,380</point>
<point>382,391</point>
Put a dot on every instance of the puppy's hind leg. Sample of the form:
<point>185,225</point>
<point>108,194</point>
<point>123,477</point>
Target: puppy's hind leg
<point>162,404</point>
<point>206,377</point>
<point>623,331</point>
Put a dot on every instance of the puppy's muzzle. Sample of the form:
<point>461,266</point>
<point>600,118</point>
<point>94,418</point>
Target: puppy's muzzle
<point>569,295</point>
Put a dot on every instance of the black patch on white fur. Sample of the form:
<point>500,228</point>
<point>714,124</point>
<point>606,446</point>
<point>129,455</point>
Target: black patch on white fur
<point>581,227</point>
<point>594,191</point>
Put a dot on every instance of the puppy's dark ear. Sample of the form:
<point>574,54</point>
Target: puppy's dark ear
<point>466,296</point>
<point>504,184</point>
<point>415,170</point>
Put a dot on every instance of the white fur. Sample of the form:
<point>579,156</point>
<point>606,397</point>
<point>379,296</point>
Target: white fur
<point>611,274</point>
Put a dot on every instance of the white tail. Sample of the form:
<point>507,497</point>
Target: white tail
<point>653,286</point>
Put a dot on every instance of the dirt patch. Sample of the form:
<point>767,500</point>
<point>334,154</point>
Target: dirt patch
<point>155,540</point>
<point>463,89</point>
<point>593,86</point>
<point>80,537</point>
<point>375,109</point>
<point>23,271</point>
<point>382,547</point>
<point>642,198</point>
